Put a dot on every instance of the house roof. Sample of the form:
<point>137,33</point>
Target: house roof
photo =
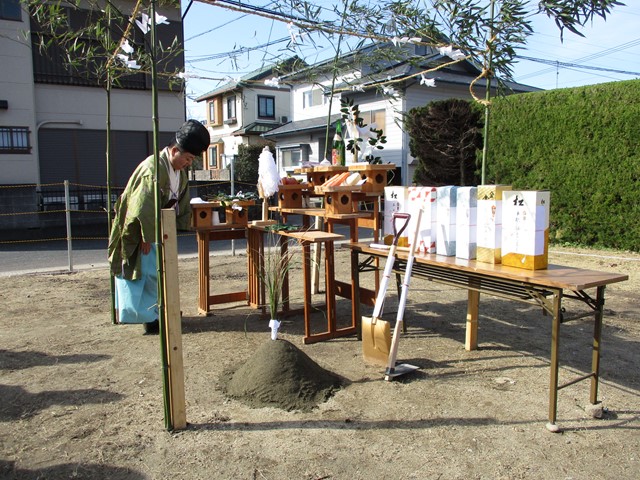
<point>414,60</point>
<point>449,76</point>
<point>410,74</point>
<point>232,85</point>
<point>406,67</point>
<point>302,126</point>
<point>255,128</point>
<point>246,80</point>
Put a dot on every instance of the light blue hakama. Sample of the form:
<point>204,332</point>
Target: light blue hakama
<point>137,300</point>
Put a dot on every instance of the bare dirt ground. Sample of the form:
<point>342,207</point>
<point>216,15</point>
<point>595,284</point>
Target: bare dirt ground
<point>82,398</point>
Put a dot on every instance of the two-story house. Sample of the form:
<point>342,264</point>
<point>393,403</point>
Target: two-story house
<point>239,112</point>
<point>53,118</point>
<point>384,89</point>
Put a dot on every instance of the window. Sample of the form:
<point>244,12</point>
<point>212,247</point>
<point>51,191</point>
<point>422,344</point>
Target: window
<point>266,107</point>
<point>231,108</point>
<point>215,111</point>
<point>312,97</point>
<point>57,202</point>
<point>14,140</point>
<point>212,112</point>
<point>51,65</point>
<point>375,116</point>
<point>10,10</point>
<point>291,157</point>
<point>213,156</point>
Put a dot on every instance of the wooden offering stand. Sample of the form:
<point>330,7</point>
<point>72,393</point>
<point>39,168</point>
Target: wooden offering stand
<point>339,200</point>
<point>203,213</point>
<point>290,196</point>
<point>234,228</point>
<point>319,174</point>
<point>375,175</point>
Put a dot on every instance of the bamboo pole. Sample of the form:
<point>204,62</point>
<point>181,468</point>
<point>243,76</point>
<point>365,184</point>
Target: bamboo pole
<point>112,282</point>
<point>168,420</point>
<point>489,66</point>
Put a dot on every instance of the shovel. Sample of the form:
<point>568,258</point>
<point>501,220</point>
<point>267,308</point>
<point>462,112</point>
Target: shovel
<point>376,333</point>
<point>394,370</point>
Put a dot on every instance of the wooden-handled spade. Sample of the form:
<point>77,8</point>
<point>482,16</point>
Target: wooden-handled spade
<point>376,333</point>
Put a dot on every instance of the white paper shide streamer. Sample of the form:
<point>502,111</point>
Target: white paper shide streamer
<point>268,177</point>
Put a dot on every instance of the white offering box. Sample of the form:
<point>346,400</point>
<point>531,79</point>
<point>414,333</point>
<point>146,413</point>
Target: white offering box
<point>525,229</point>
<point>446,221</point>
<point>423,198</point>
<point>489,231</point>
<point>466,222</point>
<point>395,200</point>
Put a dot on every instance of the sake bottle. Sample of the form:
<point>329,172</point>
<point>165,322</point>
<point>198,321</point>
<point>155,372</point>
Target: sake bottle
<point>338,151</point>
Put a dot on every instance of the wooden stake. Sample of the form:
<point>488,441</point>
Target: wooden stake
<point>172,323</point>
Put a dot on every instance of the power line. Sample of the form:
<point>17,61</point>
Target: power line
<point>216,28</point>
<point>241,50</point>
<point>576,65</point>
<point>586,58</point>
<point>219,26</point>
<point>267,11</point>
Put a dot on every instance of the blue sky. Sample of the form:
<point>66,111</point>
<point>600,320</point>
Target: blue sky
<point>212,32</point>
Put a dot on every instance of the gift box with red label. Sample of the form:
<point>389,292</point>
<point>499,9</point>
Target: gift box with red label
<point>395,200</point>
<point>423,198</point>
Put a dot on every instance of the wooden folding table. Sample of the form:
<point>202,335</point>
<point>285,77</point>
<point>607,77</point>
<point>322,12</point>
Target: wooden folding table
<point>545,288</point>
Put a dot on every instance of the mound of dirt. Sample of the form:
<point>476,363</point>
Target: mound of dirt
<point>281,375</point>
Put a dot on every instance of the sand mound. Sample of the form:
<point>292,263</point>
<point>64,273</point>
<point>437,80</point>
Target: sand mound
<point>281,375</point>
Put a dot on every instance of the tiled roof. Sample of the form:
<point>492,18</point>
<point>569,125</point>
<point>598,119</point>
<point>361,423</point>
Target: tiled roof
<point>256,128</point>
<point>406,66</point>
<point>255,75</point>
<point>302,125</point>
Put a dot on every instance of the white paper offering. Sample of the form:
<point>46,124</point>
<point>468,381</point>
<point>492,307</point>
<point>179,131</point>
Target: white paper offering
<point>525,229</point>
<point>489,231</point>
<point>466,222</point>
<point>446,221</point>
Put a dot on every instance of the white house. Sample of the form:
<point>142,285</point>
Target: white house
<point>239,112</point>
<point>53,119</point>
<point>384,90</point>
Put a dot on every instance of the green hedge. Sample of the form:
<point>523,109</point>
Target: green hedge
<point>582,144</point>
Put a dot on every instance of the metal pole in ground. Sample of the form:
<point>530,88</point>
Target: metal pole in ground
<point>67,209</point>
<point>233,192</point>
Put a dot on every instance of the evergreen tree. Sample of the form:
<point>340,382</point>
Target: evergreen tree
<point>245,168</point>
<point>444,138</point>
